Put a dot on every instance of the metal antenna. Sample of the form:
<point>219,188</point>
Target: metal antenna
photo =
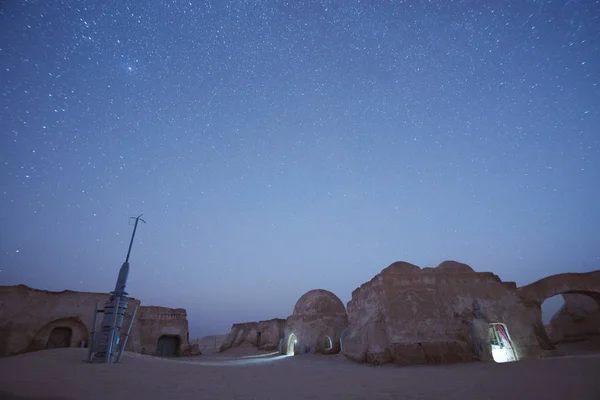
<point>137,219</point>
<point>106,346</point>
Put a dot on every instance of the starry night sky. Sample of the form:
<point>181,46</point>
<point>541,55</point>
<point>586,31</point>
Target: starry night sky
<point>280,146</point>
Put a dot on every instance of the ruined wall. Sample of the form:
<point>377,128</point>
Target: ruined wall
<point>578,318</point>
<point>407,315</point>
<point>28,316</point>
<point>247,334</point>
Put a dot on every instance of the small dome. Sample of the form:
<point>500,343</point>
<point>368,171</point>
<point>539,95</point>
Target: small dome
<point>403,266</point>
<point>319,301</point>
<point>453,266</point>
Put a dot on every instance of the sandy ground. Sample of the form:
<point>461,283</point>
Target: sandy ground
<point>61,374</point>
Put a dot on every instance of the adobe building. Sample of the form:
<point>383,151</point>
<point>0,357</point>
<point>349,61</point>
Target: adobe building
<point>33,319</point>
<point>408,315</point>
<point>450,313</point>
<point>316,324</point>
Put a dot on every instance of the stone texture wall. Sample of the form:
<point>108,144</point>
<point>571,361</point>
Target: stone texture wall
<point>246,334</point>
<point>154,322</point>
<point>406,315</point>
<point>28,316</point>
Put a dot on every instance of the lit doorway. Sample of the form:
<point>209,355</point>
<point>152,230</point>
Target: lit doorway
<point>291,344</point>
<point>502,345</point>
<point>328,345</point>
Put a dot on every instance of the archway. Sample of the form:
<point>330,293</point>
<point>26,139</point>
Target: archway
<point>501,343</point>
<point>536,293</point>
<point>327,343</point>
<point>60,337</point>
<point>63,332</point>
<point>291,345</point>
<point>575,326</point>
<point>549,308</point>
<point>168,346</point>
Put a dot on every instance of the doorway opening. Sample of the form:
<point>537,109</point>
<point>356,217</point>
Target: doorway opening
<point>328,345</point>
<point>60,337</point>
<point>502,346</point>
<point>572,322</point>
<point>291,345</point>
<point>168,346</point>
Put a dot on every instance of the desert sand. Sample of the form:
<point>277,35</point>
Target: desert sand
<point>61,374</point>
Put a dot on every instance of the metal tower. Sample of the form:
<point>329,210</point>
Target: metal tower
<point>107,345</point>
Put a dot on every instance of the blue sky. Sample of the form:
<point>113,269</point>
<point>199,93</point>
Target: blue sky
<point>276,147</point>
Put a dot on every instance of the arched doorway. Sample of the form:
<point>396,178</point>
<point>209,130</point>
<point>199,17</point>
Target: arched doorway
<point>503,349</point>
<point>327,343</point>
<point>168,346</point>
<point>60,337</point>
<point>574,326</point>
<point>291,345</point>
<point>60,333</point>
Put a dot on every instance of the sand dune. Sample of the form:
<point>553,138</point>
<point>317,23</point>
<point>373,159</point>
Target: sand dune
<point>61,374</point>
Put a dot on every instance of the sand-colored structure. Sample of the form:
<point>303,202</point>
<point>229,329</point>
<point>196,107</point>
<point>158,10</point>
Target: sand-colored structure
<point>404,315</point>
<point>316,324</point>
<point>411,315</point>
<point>264,335</point>
<point>33,319</point>
<point>450,313</point>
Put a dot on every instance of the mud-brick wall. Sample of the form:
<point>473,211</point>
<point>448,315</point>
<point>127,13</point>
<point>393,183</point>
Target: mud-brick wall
<point>28,316</point>
<point>152,322</point>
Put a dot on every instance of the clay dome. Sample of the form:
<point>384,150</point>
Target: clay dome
<point>319,301</point>
<point>403,266</point>
<point>453,266</point>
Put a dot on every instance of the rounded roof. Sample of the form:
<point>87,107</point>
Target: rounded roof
<point>403,266</point>
<point>319,301</point>
<point>454,266</point>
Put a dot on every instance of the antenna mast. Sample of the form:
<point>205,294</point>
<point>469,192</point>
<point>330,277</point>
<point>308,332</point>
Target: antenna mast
<point>109,346</point>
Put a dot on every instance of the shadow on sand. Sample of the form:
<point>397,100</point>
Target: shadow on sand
<point>9,396</point>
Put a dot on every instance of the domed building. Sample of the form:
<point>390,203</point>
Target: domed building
<point>316,324</point>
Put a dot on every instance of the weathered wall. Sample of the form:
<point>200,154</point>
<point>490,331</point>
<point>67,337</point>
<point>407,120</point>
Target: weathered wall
<point>578,318</point>
<point>407,315</point>
<point>246,334</point>
<point>154,322</point>
<point>318,314</point>
<point>28,316</point>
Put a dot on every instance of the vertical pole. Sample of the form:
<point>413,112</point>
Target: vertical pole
<point>111,336</point>
<point>137,219</point>
<point>122,347</point>
<point>92,341</point>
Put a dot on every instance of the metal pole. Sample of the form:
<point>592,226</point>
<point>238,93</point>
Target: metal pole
<point>111,335</point>
<point>137,219</point>
<point>122,349</point>
<point>93,334</point>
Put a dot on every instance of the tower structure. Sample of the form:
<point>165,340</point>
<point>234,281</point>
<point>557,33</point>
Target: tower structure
<point>109,343</point>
